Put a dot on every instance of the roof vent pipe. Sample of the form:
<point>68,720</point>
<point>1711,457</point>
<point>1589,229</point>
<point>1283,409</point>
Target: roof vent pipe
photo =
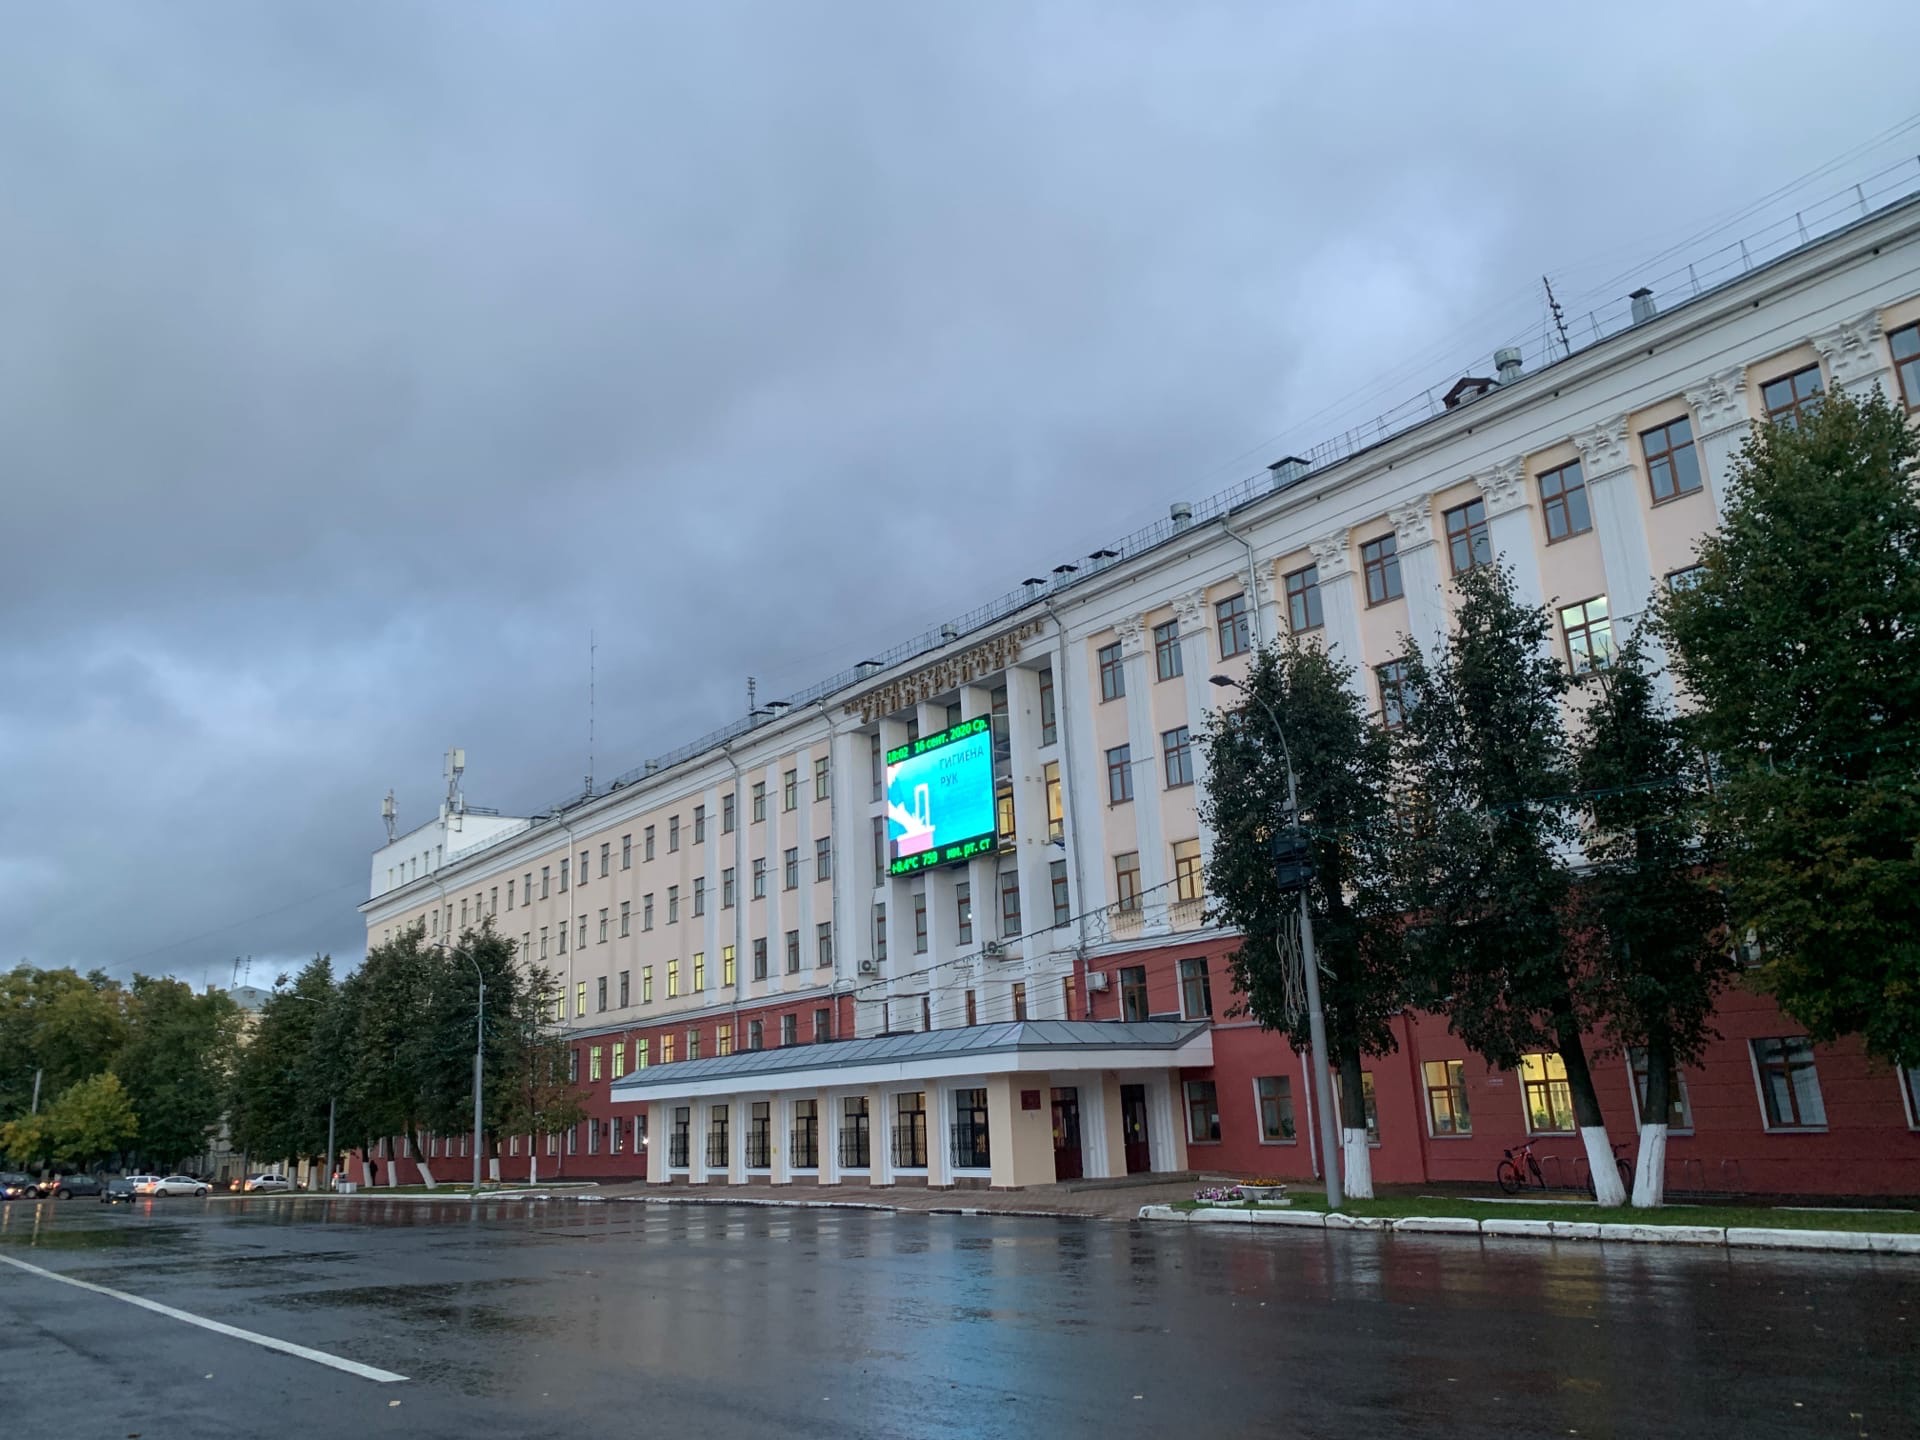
<point>1181,514</point>
<point>1507,362</point>
<point>1643,307</point>
<point>1287,469</point>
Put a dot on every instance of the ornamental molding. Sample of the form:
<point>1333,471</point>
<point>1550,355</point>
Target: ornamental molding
<point>1720,401</point>
<point>976,661</point>
<point>1190,608</point>
<point>1132,634</point>
<point>1852,349</point>
<point>1504,487</point>
<point>1412,523</point>
<point>1333,555</point>
<point>1604,449</point>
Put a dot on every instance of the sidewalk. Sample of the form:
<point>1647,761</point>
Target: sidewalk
<point>1117,1202</point>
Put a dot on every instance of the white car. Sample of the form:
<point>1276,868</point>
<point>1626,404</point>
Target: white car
<point>158,1185</point>
<point>262,1184</point>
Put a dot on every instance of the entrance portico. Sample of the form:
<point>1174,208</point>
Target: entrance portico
<point>1010,1105</point>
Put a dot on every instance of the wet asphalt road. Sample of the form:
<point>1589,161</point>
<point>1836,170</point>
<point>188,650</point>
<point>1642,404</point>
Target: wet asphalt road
<point>638,1320</point>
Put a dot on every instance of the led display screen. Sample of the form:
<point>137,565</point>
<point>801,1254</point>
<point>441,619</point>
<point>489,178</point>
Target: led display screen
<point>940,798</point>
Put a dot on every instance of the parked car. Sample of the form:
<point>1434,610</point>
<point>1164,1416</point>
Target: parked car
<point>265,1184</point>
<point>159,1185</point>
<point>15,1186</point>
<point>65,1187</point>
<point>116,1192</point>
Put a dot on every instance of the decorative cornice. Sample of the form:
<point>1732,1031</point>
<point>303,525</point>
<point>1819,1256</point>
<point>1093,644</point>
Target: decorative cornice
<point>1604,448</point>
<point>1720,401</point>
<point>1412,523</point>
<point>1852,349</point>
<point>986,658</point>
<point>1190,607</point>
<point>1504,487</point>
<point>1132,634</point>
<point>1333,555</point>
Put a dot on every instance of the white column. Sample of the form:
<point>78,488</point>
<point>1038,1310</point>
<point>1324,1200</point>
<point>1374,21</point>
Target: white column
<point>1196,664</point>
<point>1082,780</point>
<point>1420,574</point>
<point>779,1156</point>
<point>764,838</point>
<point>1033,852</point>
<point>697,1139</point>
<point>898,898</point>
<point>1722,422</point>
<point>1163,1115</point>
<point>852,891</point>
<point>1340,607</point>
<point>1606,458</point>
<point>737,1108</point>
<point>1093,1122</point>
<point>1145,750</point>
<point>880,1122</point>
<point>1857,359</point>
<point>830,1115</point>
<point>939,1134</point>
<point>1510,527</point>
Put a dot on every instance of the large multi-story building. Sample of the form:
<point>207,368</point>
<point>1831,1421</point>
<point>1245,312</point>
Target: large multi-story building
<point>753,993</point>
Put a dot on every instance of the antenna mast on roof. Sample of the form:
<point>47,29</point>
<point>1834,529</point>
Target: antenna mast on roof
<point>1559,319</point>
<point>753,691</point>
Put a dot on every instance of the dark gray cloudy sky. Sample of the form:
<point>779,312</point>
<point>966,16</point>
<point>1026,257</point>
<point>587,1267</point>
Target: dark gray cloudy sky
<point>356,360</point>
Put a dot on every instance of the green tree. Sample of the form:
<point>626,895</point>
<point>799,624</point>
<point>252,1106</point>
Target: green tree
<point>387,1042</point>
<point>1800,646</point>
<point>1341,764</point>
<point>58,1023</point>
<point>280,1090</point>
<point>1655,922</point>
<point>535,1097</point>
<point>448,1032</point>
<point>1486,773</point>
<point>176,1065</point>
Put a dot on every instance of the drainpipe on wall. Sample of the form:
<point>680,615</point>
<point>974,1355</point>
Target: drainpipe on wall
<point>1061,719</point>
<point>739,910</point>
<point>1253,582</point>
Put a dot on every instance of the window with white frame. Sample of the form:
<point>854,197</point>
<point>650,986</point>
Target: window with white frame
<point>1789,1083</point>
<point>1274,1095</point>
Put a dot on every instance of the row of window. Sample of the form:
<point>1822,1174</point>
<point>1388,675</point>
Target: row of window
<point>1011,921</point>
<point>608,986</point>
<point>1233,622</point>
<point>969,1140</point>
<point>1176,760</point>
<point>609,1061</point>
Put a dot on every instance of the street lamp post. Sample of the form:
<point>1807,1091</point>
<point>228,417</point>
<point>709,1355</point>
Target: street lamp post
<point>479,1051</point>
<point>332,1100</point>
<point>1310,964</point>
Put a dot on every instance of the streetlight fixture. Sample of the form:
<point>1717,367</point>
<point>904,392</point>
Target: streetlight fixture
<point>1310,964</point>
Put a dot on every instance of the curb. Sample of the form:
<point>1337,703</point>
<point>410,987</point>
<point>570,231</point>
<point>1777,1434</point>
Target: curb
<point>1864,1242</point>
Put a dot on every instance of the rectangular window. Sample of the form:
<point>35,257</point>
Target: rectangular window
<point>790,790</point>
<point>699,894</point>
<point>879,846</point>
<point>1113,673</point>
<point>1392,680</point>
<point>873,752</point>
<point>1905,345</point>
<point>823,858</point>
<point>971,1150</point>
<point>673,834</point>
<point>821,778</point>
<point>729,813</point>
<point>626,918</point>
<point>560,937</point>
<point>626,852</point>
<point>727,966</point>
<point>1563,498</point>
<point>1056,808</point>
<point>1910,1094</point>
<point>1467,542</point>
<point>699,971</point>
<point>646,984</point>
<point>606,857</point>
<point>1009,903</point>
<point>1062,900</point>
<point>666,1049</point>
<point>580,875</point>
<point>1380,563</point>
<point>1234,622</point>
<point>1049,716</point>
<point>760,958</point>
<point>626,989</point>
<point>1120,774</point>
<point>566,867</point>
<point>580,999</point>
<point>1447,1098</point>
<point>573,1065</point>
<point>673,979</point>
<point>790,869</point>
<point>640,1054</point>
<point>793,952</point>
<point>1196,991</point>
<point>1549,1101</point>
<point>1275,1094</point>
<point>1126,881</point>
<point>727,888</point>
<point>1589,635</point>
<point>880,933</point>
<point>1303,600</point>
<point>583,932</point>
<point>920,922</point>
<point>509,894</point>
<point>963,910</point>
<point>1673,466</point>
<point>593,1063</point>
<point>759,801</point>
<point>756,1034</point>
<point>760,878</point>
<point>1166,650</point>
<point>603,924</point>
<point>619,1059</point>
<point>1189,879</point>
<point>600,997</point>
<point>1133,994</point>
<point>1789,1084</point>
<point>693,1043</point>
<point>1679,1111</point>
<point>723,1039</point>
<point>822,1025</point>
<point>823,945</point>
<point>1019,1000</point>
<point>1203,1112</point>
<point>545,878</point>
<point>649,842</point>
<point>789,1030</point>
<point>1792,396</point>
<point>646,911</point>
<point>1176,749</point>
<point>1686,579</point>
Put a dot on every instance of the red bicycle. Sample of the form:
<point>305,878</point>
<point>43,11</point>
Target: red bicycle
<point>1519,1170</point>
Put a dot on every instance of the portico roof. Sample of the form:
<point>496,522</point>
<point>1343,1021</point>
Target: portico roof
<point>1018,1045</point>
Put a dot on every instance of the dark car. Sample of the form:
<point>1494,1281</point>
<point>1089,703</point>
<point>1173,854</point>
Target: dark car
<point>15,1186</point>
<point>117,1192</point>
<point>65,1187</point>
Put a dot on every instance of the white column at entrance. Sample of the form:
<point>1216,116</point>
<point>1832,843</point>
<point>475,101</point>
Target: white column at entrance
<point>659,1117</point>
<point>880,1122</point>
<point>1095,1159</point>
<point>1510,527</point>
<point>1196,664</point>
<point>780,1171</point>
<point>1420,574</point>
<point>763,846</point>
<point>939,1134</point>
<point>1857,359</point>
<point>697,1140</point>
<point>1613,491</point>
<point>1166,1133</point>
<point>1340,607</point>
<point>831,1114</point>
<point>737,1108</point>
<point>943,918</point>
<point>1722,422</point>
<point>1144,745</point>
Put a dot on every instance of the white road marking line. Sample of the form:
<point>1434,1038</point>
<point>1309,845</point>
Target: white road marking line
<point>285,1347</point>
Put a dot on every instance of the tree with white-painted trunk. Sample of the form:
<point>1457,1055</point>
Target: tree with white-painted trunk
<point>1656,925</point>
<point>1487,842</point>
<point>1341,766</point>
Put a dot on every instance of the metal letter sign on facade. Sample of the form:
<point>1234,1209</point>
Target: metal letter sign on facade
<point>940,798</point>
<point>945,675</point>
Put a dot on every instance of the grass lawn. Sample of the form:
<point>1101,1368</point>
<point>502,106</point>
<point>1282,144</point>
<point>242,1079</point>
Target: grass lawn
<point>465,1187</point>
<point>1755,1216</point>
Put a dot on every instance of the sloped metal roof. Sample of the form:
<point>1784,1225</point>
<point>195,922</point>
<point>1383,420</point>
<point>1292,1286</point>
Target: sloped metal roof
<point>1044,1036</point>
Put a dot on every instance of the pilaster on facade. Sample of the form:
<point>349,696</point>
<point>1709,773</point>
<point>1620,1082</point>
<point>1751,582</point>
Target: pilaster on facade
<point>1340,606</point>
<point>1149,830</point>
<point>1613,495</point>
<point>1724,421</point>
<point>1196,664</point>
<point>1033,851</point>
<point>1856,357</point>
<point>1510,526</point>
<point>1420,576</point>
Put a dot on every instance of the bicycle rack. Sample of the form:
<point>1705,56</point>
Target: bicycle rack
<point>1551,1166</point>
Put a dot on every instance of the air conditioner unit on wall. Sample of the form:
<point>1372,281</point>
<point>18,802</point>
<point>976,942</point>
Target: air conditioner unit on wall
<point>994,950</point>
<point>867,967</point>
<point>1096,979</point>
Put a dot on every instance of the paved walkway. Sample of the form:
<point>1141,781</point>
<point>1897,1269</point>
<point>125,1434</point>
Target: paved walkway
<point>1115,1202</point>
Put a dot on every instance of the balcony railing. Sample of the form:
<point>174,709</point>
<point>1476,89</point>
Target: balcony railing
<point>717,1149</point>
<point>759,1149</point>
<point>677,1148</point>
<point>855,1149</point>
<point>970,1148</point>
<point>910,1144</point>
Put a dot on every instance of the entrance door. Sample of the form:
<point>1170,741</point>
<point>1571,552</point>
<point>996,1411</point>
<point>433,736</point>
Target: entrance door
<point>1067,1164</point>
<point>1133,1127</point>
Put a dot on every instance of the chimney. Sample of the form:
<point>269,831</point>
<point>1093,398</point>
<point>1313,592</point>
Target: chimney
<point>1287,469</point>
<point>1643,307</point>
<point>867,667</point>
<point>948,632</point>
<point>1507,362</point>
<point>1181,514</point>
<point>1103,558</point>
